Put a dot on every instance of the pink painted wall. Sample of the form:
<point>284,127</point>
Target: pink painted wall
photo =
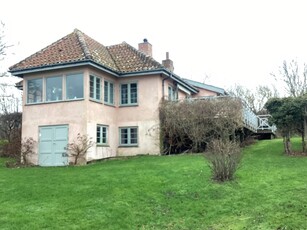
<point>83,115</point>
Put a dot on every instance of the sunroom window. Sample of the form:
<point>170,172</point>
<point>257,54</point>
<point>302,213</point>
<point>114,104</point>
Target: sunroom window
<point>54,89</point>
<point>35,90</point>
<point>74,86</point>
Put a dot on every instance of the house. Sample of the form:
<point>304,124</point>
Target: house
<point>111,93</point>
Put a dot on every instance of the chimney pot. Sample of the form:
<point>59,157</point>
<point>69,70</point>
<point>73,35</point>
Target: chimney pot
<point>168,63</point>
<point>145,47</point>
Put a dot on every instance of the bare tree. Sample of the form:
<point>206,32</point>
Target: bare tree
<point>254,99</point>
<point>3,46</point>
<point>294,78</point>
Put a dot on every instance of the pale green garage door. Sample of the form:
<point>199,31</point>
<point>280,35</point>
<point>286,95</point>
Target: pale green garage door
<point>52,143</point>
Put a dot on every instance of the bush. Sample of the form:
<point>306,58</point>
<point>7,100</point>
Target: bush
<point>224,158</point>
<point>20,151</point>
<point>78,149</point>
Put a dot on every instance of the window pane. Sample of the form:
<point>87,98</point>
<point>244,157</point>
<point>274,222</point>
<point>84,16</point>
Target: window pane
<point>133,93</point>
<point>92,86</point>
<point>106,91</point>
<point>170,93</point>
<point>111,93</point>
<point>124,94</point>
<point>97,88</point>
<point>133,136</point>
<point>124,136</point>
<point>35,90</point>
<point>74,86</point>
<point>53,88</point>
<point>98,135</point>
<point>104,135</point>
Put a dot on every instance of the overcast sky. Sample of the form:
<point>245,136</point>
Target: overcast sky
<point>231,42</point>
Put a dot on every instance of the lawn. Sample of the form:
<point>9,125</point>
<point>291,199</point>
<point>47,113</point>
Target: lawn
<point>158,192</point>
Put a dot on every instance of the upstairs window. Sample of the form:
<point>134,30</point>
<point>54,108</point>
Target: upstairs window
<point>108,92</point>
<point>54,88</point>
<point>35,90</point>
<point>128,136</point>
<point>129,94</point>
<point>95,88</point>
<point>102,135</point>
<point>74,86</point>
<point>172,94</point>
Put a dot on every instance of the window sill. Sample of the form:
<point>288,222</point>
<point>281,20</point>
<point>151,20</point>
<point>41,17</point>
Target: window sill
<point>52,102</point>
<point>96,101</point>
<point>128,146</point>
<point>108,104</point>
<point>102,145</point>
<point>129,105</point>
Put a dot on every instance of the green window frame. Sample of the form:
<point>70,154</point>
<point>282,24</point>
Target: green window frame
<point>102,133</point>
<point>128,136</point>
<point>108,92</point>
<point>35,90</point>
<point>172,94</point>
<point>95,88</point>
<point>129,94</point>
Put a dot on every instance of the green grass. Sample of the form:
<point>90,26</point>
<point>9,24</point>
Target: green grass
<point>163,192</point>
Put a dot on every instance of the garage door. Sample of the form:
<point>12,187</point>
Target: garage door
<point>52,143</point>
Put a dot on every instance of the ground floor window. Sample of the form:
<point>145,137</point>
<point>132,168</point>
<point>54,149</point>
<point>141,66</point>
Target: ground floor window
<point>102,134</point>
<point>128,136</point>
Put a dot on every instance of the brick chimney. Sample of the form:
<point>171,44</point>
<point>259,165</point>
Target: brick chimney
<point>168,63</point>
<point>145,47</point>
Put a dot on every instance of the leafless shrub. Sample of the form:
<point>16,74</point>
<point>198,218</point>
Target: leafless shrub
<point>224,157</point>
<point>20,151</point>
<point>27,149</point>
<point>78,148</point>
<point>191,124</point>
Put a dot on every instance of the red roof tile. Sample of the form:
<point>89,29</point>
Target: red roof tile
<point>77,46</point>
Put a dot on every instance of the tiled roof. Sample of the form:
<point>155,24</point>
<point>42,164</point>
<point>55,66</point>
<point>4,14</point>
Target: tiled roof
<point>77,46</point>
<point>205,86</point>
<point>129,59</point>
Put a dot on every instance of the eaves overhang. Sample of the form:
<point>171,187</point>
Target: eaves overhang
<point>163,71</point>
<point>20,73</point>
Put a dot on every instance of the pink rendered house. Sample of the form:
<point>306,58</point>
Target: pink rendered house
<point>111,93</point>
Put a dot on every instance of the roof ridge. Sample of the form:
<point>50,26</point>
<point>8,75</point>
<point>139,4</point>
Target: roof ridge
<point>81,39</point>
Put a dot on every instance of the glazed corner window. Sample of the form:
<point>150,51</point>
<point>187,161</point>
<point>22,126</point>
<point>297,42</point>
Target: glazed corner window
<point>54,88</point>
<point>102,134</point>
<point>128,136</point>
<point>108,92</point>
<point>95,87</point>
<point>129,94</point>
<point>74,86</point>
<point>172,94</point>
<point>35,90</point>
